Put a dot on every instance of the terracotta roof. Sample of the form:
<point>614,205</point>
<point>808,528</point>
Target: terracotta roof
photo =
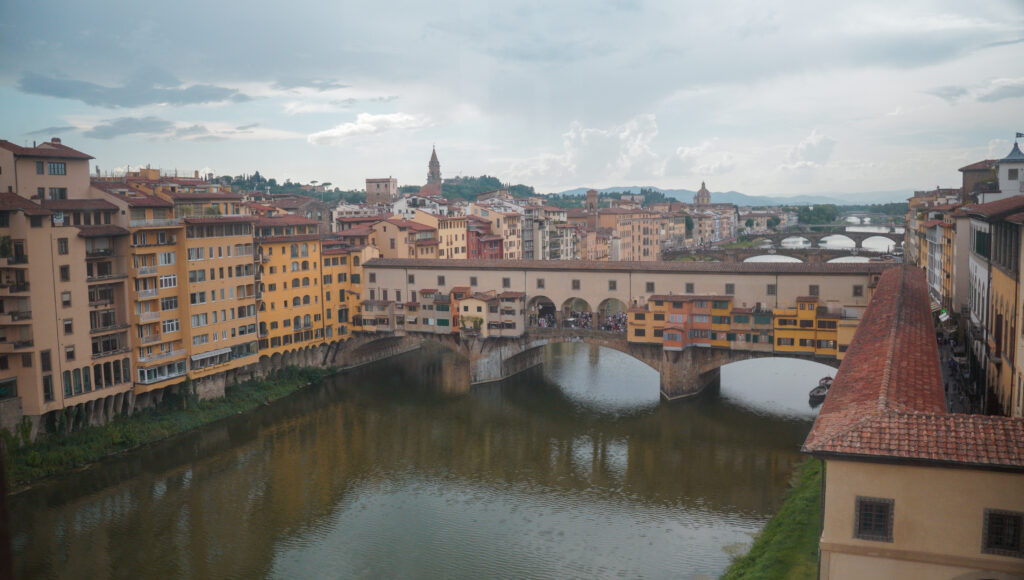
<point>887,402</point>
<point>996,209</point>
<point>201,195</point>
<point>585,265</point>
<point>78,204</point>
<point>428,290</point>
<point>14,202</point>
<point>45,149</point>
<point>979,166</point>
<point>101,231</point>
<point>461,289</point>
<point>511,294</point>
<point>930,223</point>
<point>288,238</point>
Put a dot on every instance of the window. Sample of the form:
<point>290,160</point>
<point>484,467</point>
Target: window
<point>69,353</point>
<point>412,278</point>
<point>47,388</point>
<point>373,277</point>
<point>575,284</point>
<point>873,519</point>
<point>1001,534</point>
<point>69,326</point>
<point>169,303</point>
<point>56,168</point>
<point>65,273</point>
<point>784,342</point>
<point>858,290</point>
<point>1012,174</point>
<point>167,258</point>
<point>44,361</point>
<point>62,246</point>
<point>612,285</point>
<point>440,280</point>
<point>730,288</point>
<point>639,332</point>
<point>650,286</point>
<point>540,283</point>
<point>170,281</point>
<point>689,287</point>
<point>65,299</point>
<point>472,280</point>
<point>771,290</point>
<point>171,325</point>
<point>812,290</point>
<point>39,167</point>
<point>62,193</point>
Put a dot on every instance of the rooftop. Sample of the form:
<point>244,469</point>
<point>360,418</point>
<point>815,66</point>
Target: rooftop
<point>52,149</point>
<point>598,266</point>
<point>78,204</point>
<point>14,202</point>
<point>887,402</point>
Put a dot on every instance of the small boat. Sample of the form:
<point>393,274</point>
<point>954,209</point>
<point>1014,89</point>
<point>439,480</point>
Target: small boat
<point>817,394</point>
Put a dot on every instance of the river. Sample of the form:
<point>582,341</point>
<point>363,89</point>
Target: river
<point>574,469</point>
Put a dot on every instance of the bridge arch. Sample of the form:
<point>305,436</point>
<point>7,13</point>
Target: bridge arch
<point>541,308</point>
<point>792,240</point>
<point>837,241</point>
<point>879,240</point>
<point>774,258</point>
<point>576,312</point>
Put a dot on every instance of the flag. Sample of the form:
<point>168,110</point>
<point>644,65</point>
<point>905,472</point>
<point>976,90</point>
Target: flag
<point>1019,135</point>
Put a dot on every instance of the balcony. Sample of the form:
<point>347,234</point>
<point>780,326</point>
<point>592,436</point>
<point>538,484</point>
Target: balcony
<point>159,378</point>
<point>161,355</point>
<point>16,316</point>
<point>150,338</point>
<point>149,316</point>
<point>109,328</point>
<point>148,292</point>
<point>10,346</point>
<point>146,270</point>
<point>116,351</point>
<point>99,252</point>
<point>17,288</point>
<point>105,277</point>
<point>155,223</point>
<point>18,260</point>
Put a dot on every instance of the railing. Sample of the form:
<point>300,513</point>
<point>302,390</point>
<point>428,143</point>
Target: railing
<point>148,293</point>
<point>21,315</point>
<point>102,302</point>
<point>145,270</point>
<point>150,338</point>
<point>20,287</point>
<point>162,355</point>
<point>158,379</point>
<point>102,277</point>
<point>99,253</point>
<point>108,328</point>
<point>154,223</point>
<point>118,350</point>
<point>149,316</point>
<point>19,259</point>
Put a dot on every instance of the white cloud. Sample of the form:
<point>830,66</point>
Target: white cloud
<point>704,160</point>
<point>815,149</point>
<point>368,124</point>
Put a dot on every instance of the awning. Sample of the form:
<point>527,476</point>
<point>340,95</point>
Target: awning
<point>211,353</point>
<point>943,317</point>
<point>936,306</point>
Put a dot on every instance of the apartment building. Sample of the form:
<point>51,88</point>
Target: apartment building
<point>291,308</point>
<point>450,231</point>
<point>399,238</point>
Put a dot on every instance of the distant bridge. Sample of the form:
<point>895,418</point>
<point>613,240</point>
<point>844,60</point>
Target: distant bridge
<point>737,255</point>
<point>815,237</point>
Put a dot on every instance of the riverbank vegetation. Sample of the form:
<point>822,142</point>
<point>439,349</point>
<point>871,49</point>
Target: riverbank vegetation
<point>788,545</point>
<point>52,453</point>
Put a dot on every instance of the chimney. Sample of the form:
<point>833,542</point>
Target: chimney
<point>55,140</point>
<point>196,174</point>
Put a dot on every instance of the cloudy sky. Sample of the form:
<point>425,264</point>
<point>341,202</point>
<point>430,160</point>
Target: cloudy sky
<point>759,97</point>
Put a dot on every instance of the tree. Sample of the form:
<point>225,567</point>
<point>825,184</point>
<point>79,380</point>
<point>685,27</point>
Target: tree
<point>774,222</point>
<point>689,225</point>
<point>749,223</point>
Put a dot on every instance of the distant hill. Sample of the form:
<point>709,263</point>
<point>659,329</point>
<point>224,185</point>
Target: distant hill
<point>738,198</point>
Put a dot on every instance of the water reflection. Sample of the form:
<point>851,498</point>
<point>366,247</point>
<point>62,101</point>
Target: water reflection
<point>384,473</point>
<point>776,387</point>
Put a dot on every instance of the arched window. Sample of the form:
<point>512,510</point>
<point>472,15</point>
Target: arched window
<point>296,322</point>
<point>263,328</point>
<point>295,250</point>
<point>305,265</point>
<point>305,282</point>
<point>295,282</point>
<point>295,266</point>
<point>305,250</point>
<point>305,299</point>
<point>126,369</point>
<point>306,321</point>
<point>296,301</point>
<point>97,376</point>
<point>66,380</point>
<point>87,379</point>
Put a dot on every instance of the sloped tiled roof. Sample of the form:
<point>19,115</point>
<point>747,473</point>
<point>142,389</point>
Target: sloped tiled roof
<point>101,231</point>
<point>78,204</point>
<point>45,149</point>
<point>887,401</point>
<point>996,209</point>
<point>14,202</point>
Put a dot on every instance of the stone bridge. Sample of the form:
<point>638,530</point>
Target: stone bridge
<point>738,255</point>
<point>815,237</point>
<point>682,373</point>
